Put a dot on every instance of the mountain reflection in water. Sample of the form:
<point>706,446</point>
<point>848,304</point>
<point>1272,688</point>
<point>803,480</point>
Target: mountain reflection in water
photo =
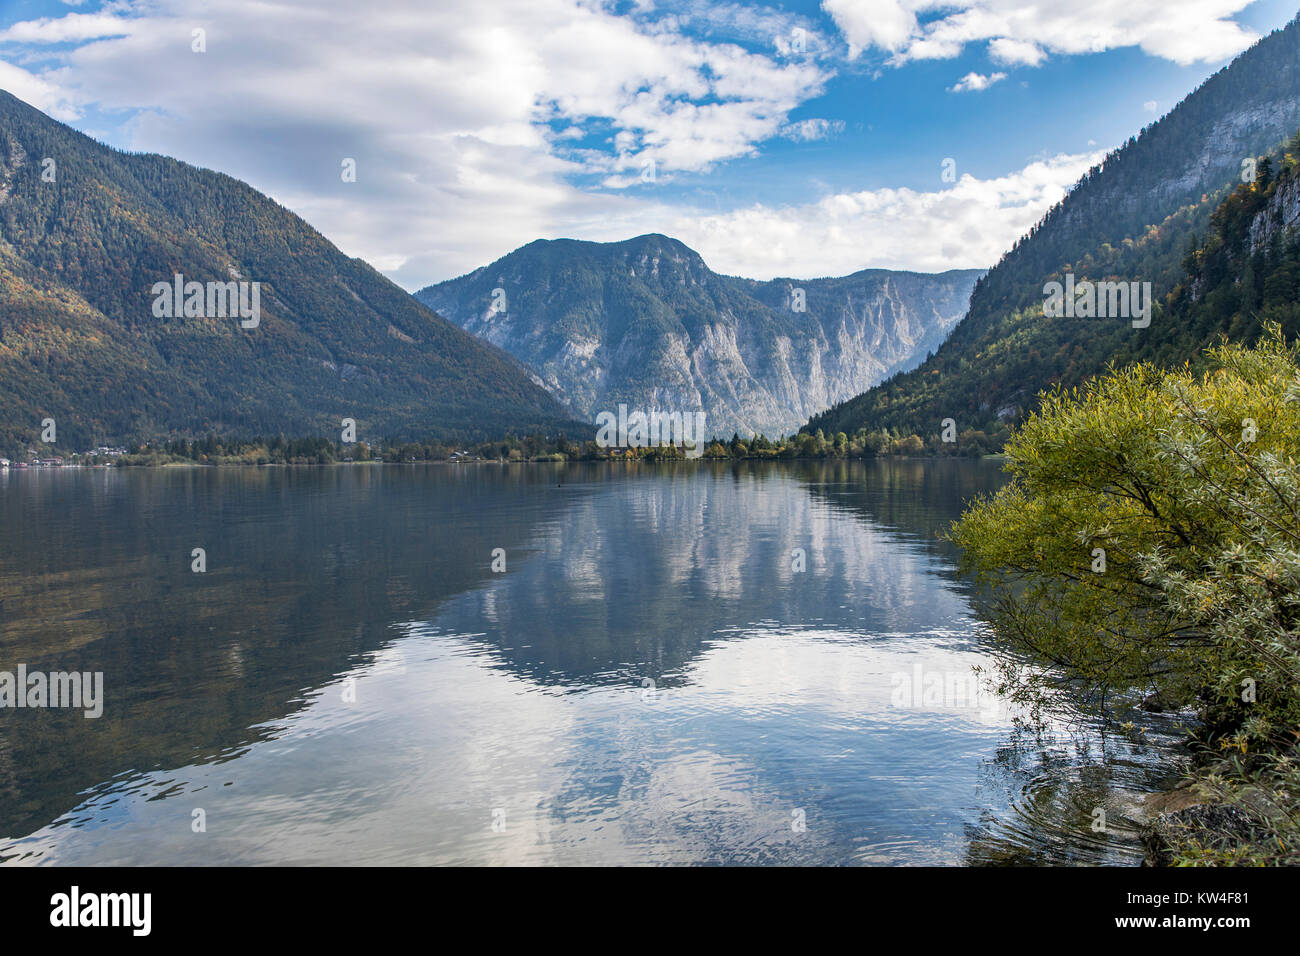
<point>650,680</point>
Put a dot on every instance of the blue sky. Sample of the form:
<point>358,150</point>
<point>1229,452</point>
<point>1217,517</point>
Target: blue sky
<point>480,125</point>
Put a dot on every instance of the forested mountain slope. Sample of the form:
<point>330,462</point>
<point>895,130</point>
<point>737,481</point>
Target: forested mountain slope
<point>1132,218</point>
<point>646,322</point>
<point>87,231</point>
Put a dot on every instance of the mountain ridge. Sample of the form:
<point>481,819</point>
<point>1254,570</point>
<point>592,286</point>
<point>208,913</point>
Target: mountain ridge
<point>1131,218</point>
<point>645,322</point>
<point>87,230</point>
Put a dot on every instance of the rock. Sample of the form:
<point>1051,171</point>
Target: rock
<point>1157,704</point>
<point>1171,801</point>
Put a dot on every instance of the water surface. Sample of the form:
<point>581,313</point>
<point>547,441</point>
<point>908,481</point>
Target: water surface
<point>678,664</point>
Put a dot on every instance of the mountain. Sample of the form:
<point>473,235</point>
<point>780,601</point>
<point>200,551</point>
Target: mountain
<point>1246,271</point>
<point>86,232</point>
<point>645,322</point>
<point>1135,217</point>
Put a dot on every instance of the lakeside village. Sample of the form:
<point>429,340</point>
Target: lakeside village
<point>100,457</point>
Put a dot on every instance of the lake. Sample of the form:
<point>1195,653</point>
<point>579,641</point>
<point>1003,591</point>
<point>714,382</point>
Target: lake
<point>529,664</point>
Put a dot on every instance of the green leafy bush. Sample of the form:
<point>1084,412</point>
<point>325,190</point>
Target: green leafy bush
<point>1149,541</point>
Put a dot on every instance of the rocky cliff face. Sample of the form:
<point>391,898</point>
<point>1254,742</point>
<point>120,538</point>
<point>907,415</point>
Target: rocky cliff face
<point>645,322</point>
<point>1236,136</point>
<point>1281,213</point>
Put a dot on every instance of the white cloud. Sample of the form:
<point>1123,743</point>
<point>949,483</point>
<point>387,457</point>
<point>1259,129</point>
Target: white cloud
<point>44,95</point>
<point>1021,32</point>
<point>468,121</point>
<point>1016,52</point>
<point>1149,106</point>
<point>975,82</point>
<point>787,33</point>
<point>884,24</point>
<point>72,27</point>
<point>966,225</point>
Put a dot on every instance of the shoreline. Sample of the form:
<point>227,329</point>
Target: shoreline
<point>647,460</point>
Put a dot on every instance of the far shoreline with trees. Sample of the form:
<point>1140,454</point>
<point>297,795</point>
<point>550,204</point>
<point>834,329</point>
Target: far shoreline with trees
<point>214,450</point>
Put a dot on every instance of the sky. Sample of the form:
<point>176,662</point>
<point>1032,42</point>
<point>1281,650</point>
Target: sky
<point>797,139</point>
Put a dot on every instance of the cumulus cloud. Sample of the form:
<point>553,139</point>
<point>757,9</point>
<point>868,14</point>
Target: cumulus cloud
<point>967,225</point>
<point>1016,52</point>
<point>471,124</point>
<point>44,95</point>
<point>787,33</point>
<point>1020,32</point>
<point>975,81</point>
<point>478,127</point>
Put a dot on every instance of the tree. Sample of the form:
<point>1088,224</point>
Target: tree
<point>911,445</point>
<point>1150,540</point>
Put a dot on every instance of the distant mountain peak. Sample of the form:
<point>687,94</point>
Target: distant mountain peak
<point>645,322</point>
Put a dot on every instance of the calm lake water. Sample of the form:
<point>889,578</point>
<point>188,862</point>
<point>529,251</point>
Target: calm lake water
<point>651,679</point>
